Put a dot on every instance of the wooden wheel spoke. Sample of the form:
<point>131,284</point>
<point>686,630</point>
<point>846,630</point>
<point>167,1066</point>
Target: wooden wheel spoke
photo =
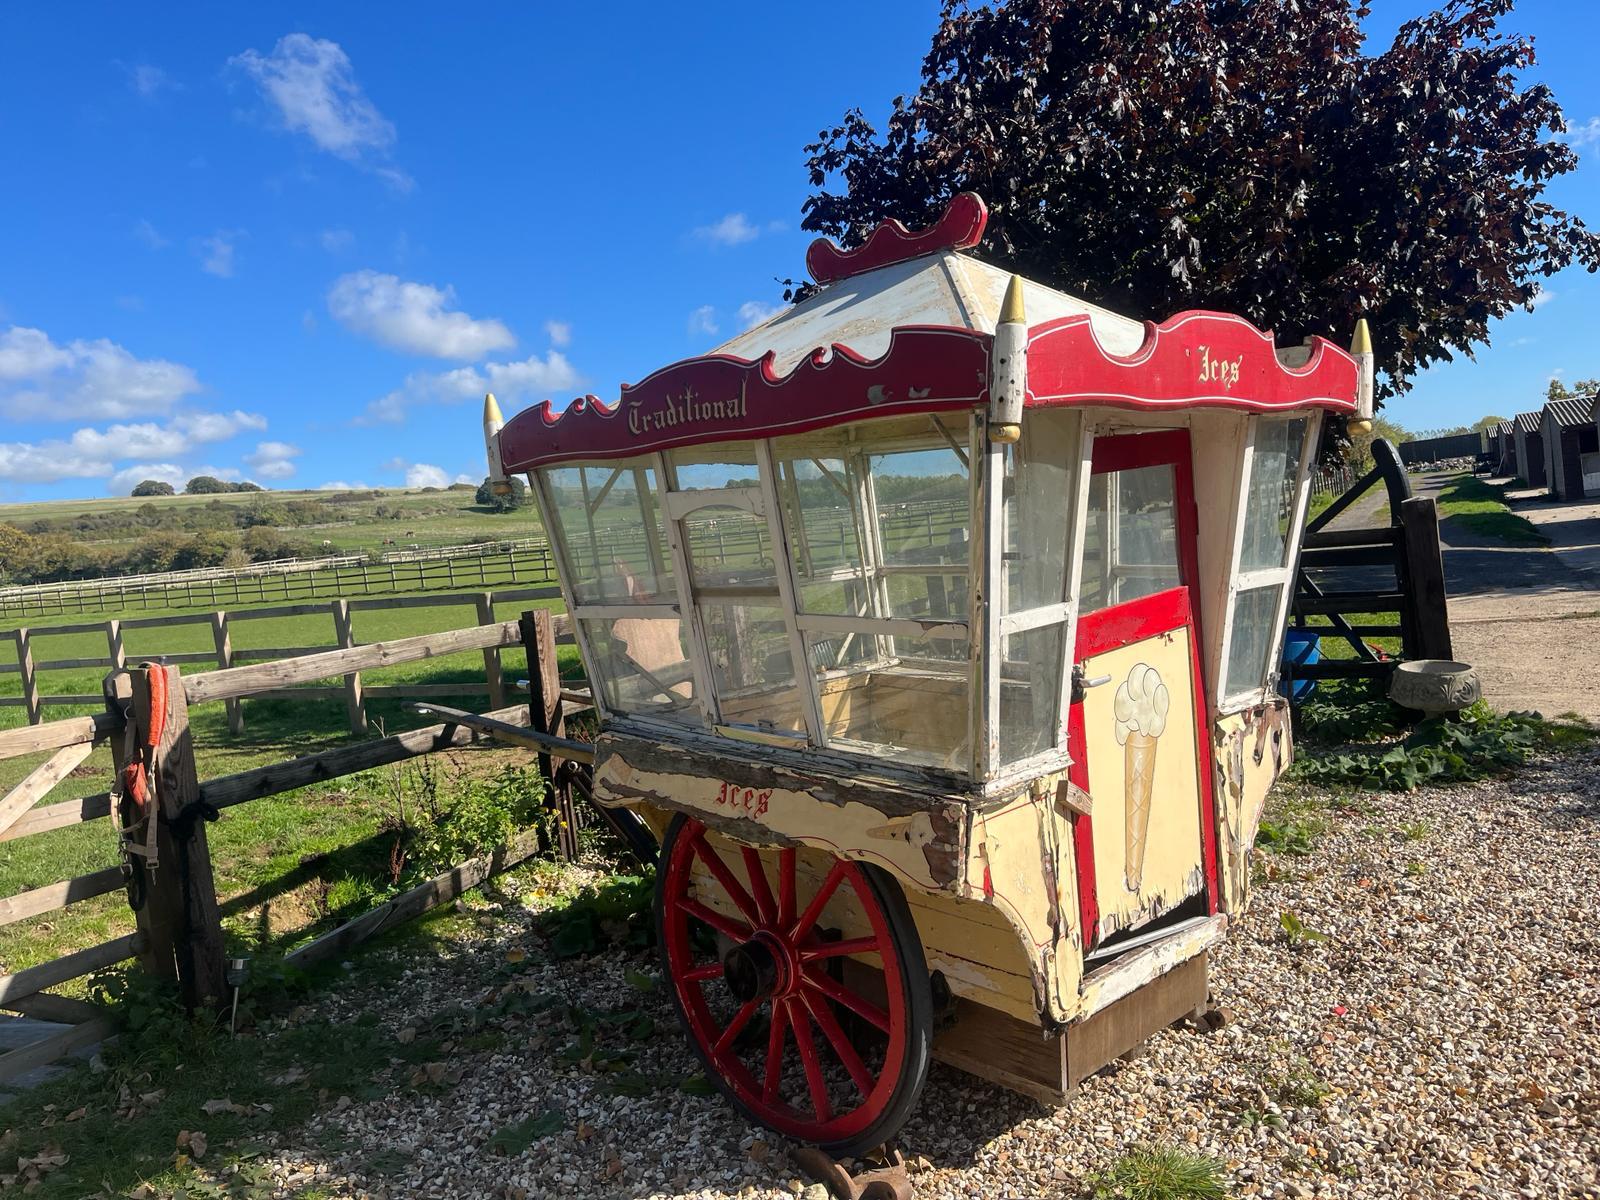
<point>840,994</point>
<point>759,887</point>
<point>729,882</point>
<point>736,1026</point>
<point>829,1024</point>
<point>710,916</point>
<point>711,970</point>
<point>772,1080</point>
<point>786,902</point>
<point>866,945</point>
<point>819,902</point>
<point>812,1061</point>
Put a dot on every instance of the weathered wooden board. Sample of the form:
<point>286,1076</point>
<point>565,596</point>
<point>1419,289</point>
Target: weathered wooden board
<point>39,781</point>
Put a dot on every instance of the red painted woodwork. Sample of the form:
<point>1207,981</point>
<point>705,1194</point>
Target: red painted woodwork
<point>722,398</point>
<point>1135,621</point>
<point>1192,358</point>
<point>958,228</point>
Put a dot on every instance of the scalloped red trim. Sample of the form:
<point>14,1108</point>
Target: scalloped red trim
<point>721,398</point>
<point>959,228</point>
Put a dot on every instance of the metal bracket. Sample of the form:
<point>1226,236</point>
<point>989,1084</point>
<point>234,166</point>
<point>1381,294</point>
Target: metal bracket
<point>889,1182</point>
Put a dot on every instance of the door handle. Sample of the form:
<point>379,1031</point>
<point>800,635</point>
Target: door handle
<point>1081,683</point>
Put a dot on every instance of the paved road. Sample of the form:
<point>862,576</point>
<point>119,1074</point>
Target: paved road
<point>1528,617</point>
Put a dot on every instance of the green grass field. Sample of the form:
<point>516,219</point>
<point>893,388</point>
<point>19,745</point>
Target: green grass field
<point>311,853</point>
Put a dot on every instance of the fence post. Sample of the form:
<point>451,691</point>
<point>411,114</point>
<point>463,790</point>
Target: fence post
<point>545,716</point>
<point>156,913</point>
<point>114,649</point>
<point>1429,621</point>
<point>224,644</point>
<point>30,680</point>
<point>354,704</point>
<point>185,855</point>
<point>491,654</point>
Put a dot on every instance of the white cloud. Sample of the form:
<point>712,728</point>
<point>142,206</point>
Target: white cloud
<point>89,452</point>
<point>148,234</point>
<point>703,320</point>
<point>1542,297</point>
<point>1586,134</point>
<point>216,252</point>
<point>733,230</point>
<point>84,379</point>
<point>528,378</point>
<point>46,462</point>
<point>421,475</point>
<point>337,241</point>
<point>753,312</point>
<point>413,317</point>
<point>313,86</point>
<point>149,80</point>
<point>124,481</point>
<point>340,485</point>
<point>273,460</point>
<point>560,332</point>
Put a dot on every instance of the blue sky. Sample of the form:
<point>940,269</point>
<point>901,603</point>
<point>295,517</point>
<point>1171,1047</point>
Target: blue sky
<point>295,243</point>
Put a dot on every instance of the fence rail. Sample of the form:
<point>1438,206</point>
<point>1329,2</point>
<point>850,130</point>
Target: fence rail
<point>178,930</point>
<point>30,663</point>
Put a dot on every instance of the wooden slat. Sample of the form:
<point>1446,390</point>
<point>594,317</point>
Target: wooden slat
<point>1377,535</point>
<point>47,1050</point>
<point>47,1006</point>
<point>519,735</point>
<point>70,664</point>
<point>59,895</point>
<point>439,890</point>
<point>403,690</point>
<point>166,622</point>
<point>68,966</point>
<point>56,816</point>
<point>46,701</point>
<point>81,627</point>
<point>323,692</point>
<point>39,781</point>
<point>274,778</point>
<point>270,653</point>
<point>1347,602</point>
<point>242,681</point>
<point>279,610</point>
<point>51,736</point>
<point>433,600</point>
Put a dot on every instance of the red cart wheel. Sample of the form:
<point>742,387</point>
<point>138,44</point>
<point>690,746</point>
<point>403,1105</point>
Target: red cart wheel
<point>765,1006</point>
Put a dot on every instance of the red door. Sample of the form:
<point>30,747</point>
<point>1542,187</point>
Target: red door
<point>1138,725</point>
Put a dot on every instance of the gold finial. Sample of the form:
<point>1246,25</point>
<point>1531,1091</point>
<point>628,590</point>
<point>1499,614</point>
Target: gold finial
<point>1011,306</point>
<point>1361,343</point>
<point>491,409</point>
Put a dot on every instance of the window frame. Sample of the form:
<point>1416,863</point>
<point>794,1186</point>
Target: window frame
<point>1284,575</point>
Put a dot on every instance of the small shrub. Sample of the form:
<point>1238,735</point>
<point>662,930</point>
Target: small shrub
<point>1297,931</point>
<point>1161,1173</point>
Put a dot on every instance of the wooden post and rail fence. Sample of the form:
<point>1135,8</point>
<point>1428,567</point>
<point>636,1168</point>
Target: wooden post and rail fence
<point>177,915</point>
<point>344,613</point>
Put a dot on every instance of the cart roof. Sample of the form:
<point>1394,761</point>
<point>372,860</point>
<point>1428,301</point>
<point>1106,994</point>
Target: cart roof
<point>904,323</point>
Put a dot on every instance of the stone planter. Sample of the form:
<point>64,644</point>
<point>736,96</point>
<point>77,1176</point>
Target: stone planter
<point>1433,686</point>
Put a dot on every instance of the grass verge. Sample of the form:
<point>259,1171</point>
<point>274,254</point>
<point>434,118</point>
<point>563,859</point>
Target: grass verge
<point>1481,508</point>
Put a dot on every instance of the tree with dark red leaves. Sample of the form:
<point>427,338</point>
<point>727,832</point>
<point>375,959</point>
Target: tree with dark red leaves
<point>1243,155</point>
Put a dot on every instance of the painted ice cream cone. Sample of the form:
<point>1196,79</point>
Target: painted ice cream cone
<point>1139,758</point>
<point>1141,711</point>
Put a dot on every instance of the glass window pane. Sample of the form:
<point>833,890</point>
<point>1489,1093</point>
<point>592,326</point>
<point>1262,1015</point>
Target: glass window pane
<point>1030,692</point>
<point>752,668</point>
<point>1130,540</point>
<point>729,547</point>
<point>1269,496</point>
<point>880,494</point>
<point>1040,471</point>
<point>643,666</point>
<point>909,711</point>
<point>610,525</point>
<point>1253,638</point>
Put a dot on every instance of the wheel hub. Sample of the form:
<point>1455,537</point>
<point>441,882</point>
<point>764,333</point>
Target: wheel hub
<point>756,969</point>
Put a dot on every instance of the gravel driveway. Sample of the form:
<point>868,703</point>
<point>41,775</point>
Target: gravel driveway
<point>1444,1040</point>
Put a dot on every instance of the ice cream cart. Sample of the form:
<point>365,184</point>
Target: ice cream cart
<point>933,626</point>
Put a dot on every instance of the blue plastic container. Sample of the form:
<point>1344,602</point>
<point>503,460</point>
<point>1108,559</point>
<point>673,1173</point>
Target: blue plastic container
<point>1301,647</point>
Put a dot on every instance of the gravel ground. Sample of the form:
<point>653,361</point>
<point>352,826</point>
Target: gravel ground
<point>1444,1040</point>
